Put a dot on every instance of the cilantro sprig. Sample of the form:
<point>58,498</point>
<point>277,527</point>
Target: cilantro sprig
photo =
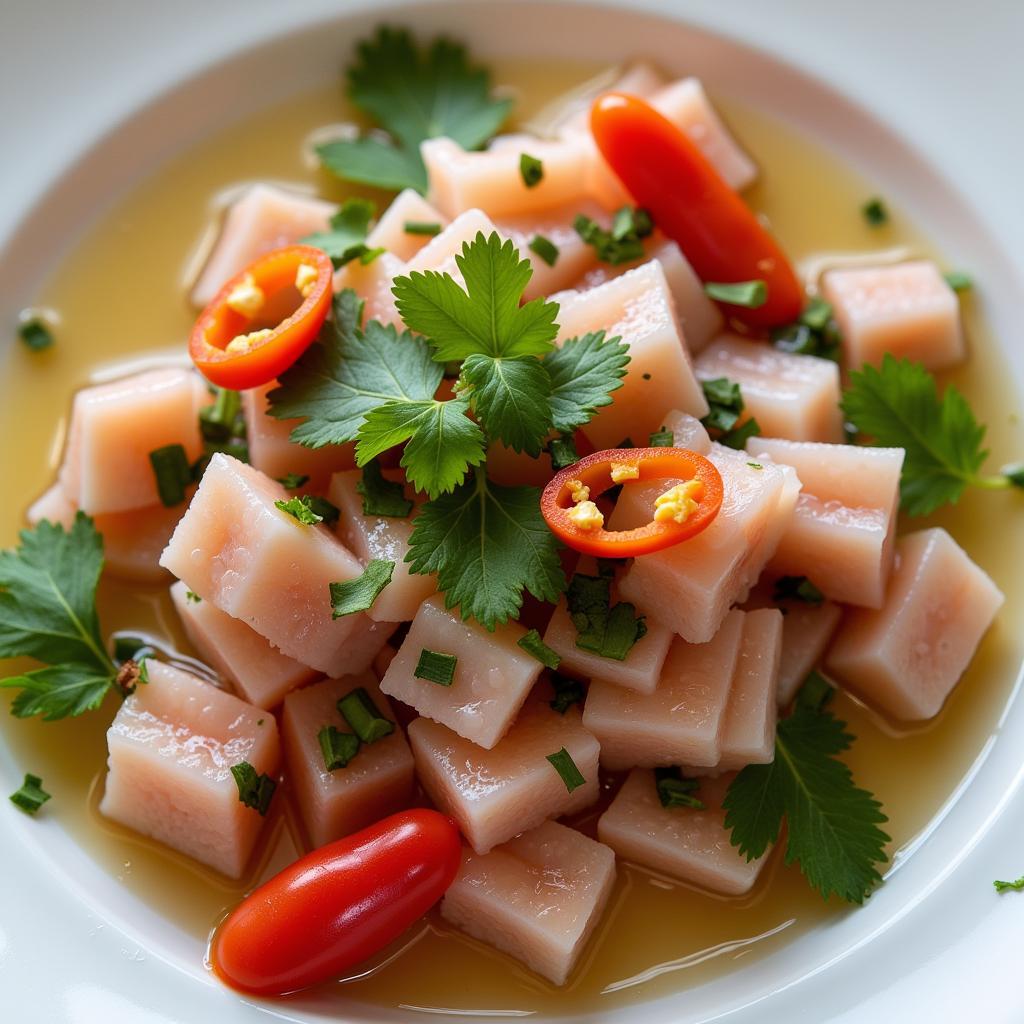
<point>898,405</point>
<point>346,239</point>
<point>413,94</point>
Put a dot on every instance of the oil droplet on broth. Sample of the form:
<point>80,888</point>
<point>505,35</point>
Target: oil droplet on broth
<point>658,936</point>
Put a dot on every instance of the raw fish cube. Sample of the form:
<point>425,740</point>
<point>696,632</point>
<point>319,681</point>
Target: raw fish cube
<point>492,674</point>
<point>373,282</point>
<point>687,106</point>
<point>639,308</point>
<point>53,505</point>
<point>492,181</point>
<point>691,586</point>
<point>260,673</point>
<point>172,745</point>
<point>495,794</point>
<point>748,731</point>
<point>841,535</point>
<point>369,537</point>
<point>389,232</point>
<point>259,564</point>
<point>115,426</point>
<point>906,309</point>
<point>272,452</point>
<point>680,842</point>
<point>262,219</point>
<point>440,252</point>
<point>377,782</point>
<point>791,396</point>
<point>906,657</point>
<point>538,898</point>
<point>687,432</point>
<point>681,722</point>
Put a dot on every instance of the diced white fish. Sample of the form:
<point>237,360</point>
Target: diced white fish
<point>906,657</point>
<point>440,252</point>
<point>172,745</point>
<point>495,794</point>
<point>492,675</point>
<point>377,782</point>
<point>538,898</point>
<point>373,282</point>
<point>687,432</point>
<point>408,207</point>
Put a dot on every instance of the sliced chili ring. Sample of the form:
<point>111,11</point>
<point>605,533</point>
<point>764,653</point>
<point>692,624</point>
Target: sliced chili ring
<point>267,339</point>
<point>595,473</point>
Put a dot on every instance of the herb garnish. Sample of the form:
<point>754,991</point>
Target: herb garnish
<point>31,796</point>
<point>414,95</point>
<point>1015,886</point>
<point>601,627</point>
<point>749,294</point>
<point>958,280</point>
<point>532,643</point>
<point>321,507</point>
<point>293,481</point>
<point>562,451</point>
<point>545,249</point>
<point>814,333</point>
<point>422,227</point>
<point>346,240</point>
<point>796,588</point>
<point>300,509</point>
<point>531,170</point>
<point>35,336</point>
<point>567,692</point>
<point>382,497</point>
<point>363,718</point>
<point>676,791</point>
<point>623,243</point>
<point>254,790</point>
<point>337,747</point>
<point>875,212</point>
<point>661,439</point>
<point>563,763</point>
<point>726,404</point>
<point>436,667</point>
<point>172,472</point>
<point>358,595</point>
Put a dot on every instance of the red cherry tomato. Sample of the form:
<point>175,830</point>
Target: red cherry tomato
<point>338,905</point>
<point>291,320</point>
<point>717,232</point>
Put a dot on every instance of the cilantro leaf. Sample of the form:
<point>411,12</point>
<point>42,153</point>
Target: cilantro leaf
<point>48,612</point>
<point>346,240</point>
<point>601,627</point>
<point>349,372</point>
<point>584,371</point>
<point>301,510</point>
<point>358,594</point>
<point>898,405</point>
<point>485,317</point>
<point>511,397</point>
<point>487,544</point>
<point>832,824</point>
<point>414,95</point>
<point>382,497</point>
<point>443,442</point>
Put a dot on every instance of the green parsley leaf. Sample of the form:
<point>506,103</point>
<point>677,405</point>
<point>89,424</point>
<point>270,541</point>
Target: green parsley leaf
<point>254,790</point>
<point>300,509</point>
<point>31,796</point>
<point>346,240</point>
<point>362,716</point>
<point>358,595</point>
<point>337,747</point>
<point>958,280</point>
<point>48,612</point>
<point>544,248</point>
<point>567,692</point>
<point>676,791</point>
<point>349,372</point>
<point>748,294</point>
<point>661,439</point>
<point>323,508</point>
<point>35,334</point>
<point>584,371</point>
<point>832,825</point>
<point>532,643</point>
<point>898,405</point>
<point>1015,886</point>
<point>726,402</point>
<point>382,497</point>
<point>192,597</point>
<point>563,763</point>
<point>487,544</point>
<point>797,588</point>
<point>531,170</point>
<point>875,212</point>
<point>623,243</point>
<point>172,471</point>
<point>563,452</point>
<point>293,481</point>
<point>485,318</point>
<point>414,95</point>
<point>422,227</point>
<point>602,628</point>
<point>737,437</point>
<point>436,667</point>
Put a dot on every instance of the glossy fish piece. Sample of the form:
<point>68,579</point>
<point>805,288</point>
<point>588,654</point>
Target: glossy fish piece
<point>389,232</point>
<point>681,842</point>
<point>171,748</point>
<point>538,898</point>
<point>373,282</point>
<point>375,783</point>
<point>495,794</point>
<point>907,656</point>
<point>493,675</point>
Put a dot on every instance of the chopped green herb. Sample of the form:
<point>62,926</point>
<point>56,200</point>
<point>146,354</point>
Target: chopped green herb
<point>31,796</point>
<point>631,222</point>
<point>223,419</point>
<point>676,791</point>
<point>755,465</point>
<point>300,509</point>
<point>1016,886</point>
<point>726,401</point>
<point>624,242</point>
<point>748,294</point>
<point>796,588</point>
<point>536,648</point>
<point>815,692</point>
<point>563,452</point>
<point>545,249</point>
<point>382,497</point>
<point>346,239</point>
<point>363,717</point>
<point>602,628</point>
<point>584,371</point>
<point>192,597</point>
<point>815,333</point>
<point>567,692</point>
<point>35,334</point>
<point>48,612</point>
<point>337,747</point>
<point>898,406</point>
<point>958,280</point>
<point>436,667</point>
<point>371,254</point>
<point>414,94</point>
<point>260,721</point>
<point>739,436</point>
<point>254,790</point>
<point>646,376</point>
<point>293,481</point>
<point>358,595</point>
<point>817,314</point>
<point>563,763</point>
<point>661,439</point>
<point>321,507</point>
<point>1014,472</point>
<point>875,212</point>
<point>531,170</point>
<point>172,471</point>
<point>422,227</point>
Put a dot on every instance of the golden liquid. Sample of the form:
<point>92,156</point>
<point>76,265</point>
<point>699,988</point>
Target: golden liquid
<point>120,294</point>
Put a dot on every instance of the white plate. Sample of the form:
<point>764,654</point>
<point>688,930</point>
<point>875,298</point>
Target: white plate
<point>933,943</point>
